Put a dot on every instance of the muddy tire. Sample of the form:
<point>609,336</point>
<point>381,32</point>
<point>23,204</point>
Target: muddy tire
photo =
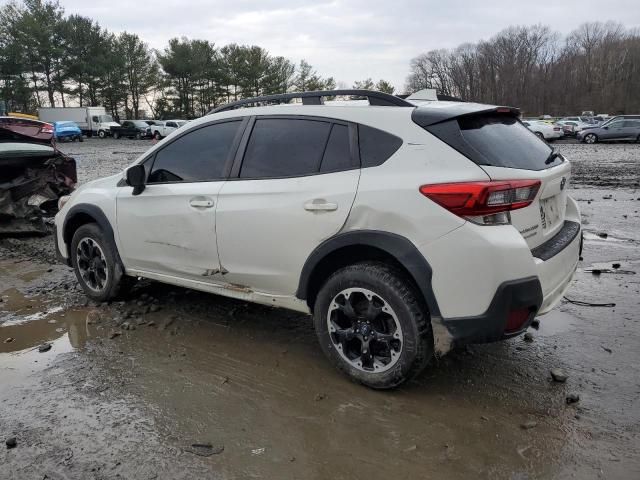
<point>95,263</point>
<point>590,138</point>
<point>373,325</point>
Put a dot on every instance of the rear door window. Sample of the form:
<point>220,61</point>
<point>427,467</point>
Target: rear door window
<point>198,156</point>
<point>337,154</point>
<point>285,147</point>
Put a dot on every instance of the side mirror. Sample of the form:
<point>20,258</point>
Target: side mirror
<point>135,178</point>
<point>605,128</point>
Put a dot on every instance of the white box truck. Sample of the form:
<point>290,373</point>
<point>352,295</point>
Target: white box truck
<point>91,120</point>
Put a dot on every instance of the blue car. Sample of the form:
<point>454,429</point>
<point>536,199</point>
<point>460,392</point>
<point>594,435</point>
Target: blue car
<point>67,132</point>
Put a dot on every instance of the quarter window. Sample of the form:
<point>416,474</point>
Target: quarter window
<point>198,156</point>
<point>284,147</point>
<point>376,146</point>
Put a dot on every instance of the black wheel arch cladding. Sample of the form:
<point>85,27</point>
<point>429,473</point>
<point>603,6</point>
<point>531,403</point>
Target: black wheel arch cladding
<point>82,211</point>
<point>398,247</point>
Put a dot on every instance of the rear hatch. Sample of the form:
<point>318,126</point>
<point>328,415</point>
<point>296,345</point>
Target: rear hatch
<point>505,149</point>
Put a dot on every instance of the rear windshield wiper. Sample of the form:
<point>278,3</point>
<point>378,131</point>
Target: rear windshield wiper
<point>552,156</point>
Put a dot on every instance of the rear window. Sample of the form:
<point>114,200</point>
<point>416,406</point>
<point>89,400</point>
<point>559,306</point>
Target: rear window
<point>496,140</point>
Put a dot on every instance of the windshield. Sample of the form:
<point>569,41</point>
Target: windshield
<point>106,118</point>
<point>181,123</point>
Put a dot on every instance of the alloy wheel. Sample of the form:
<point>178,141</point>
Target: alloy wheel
<point>92,264</point>
<point>365,330</point>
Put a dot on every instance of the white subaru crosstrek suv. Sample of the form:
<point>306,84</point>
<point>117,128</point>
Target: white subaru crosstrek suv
<point>403,229</point>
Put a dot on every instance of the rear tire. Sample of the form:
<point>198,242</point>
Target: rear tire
<point>384,337</point>
<point>157,136</point>
<point>539,135</point>
<point>80,138</point>
<point>95,263</point>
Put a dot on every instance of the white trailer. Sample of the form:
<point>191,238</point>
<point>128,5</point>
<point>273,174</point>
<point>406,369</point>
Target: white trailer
<point>91,120</point>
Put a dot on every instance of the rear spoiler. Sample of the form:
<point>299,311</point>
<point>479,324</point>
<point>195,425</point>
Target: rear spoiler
<point>434,113</point>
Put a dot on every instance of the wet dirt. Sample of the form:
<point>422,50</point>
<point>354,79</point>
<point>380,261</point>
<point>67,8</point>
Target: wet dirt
<point>191,368</point>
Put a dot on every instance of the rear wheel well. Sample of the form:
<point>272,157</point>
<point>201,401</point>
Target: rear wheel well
<point>349,255</point>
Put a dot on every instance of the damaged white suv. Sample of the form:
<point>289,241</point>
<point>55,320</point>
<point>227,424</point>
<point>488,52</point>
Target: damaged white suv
<point>404,229</point>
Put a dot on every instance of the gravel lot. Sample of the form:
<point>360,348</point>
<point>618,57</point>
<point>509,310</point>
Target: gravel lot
<point>128,388</point>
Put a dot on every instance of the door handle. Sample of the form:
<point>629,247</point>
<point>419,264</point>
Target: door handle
<point>201,202</point>
<point>319,205</point>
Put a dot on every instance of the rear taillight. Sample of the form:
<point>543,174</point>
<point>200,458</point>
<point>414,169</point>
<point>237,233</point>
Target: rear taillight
<point>484,203</point>
<point>46,128</point>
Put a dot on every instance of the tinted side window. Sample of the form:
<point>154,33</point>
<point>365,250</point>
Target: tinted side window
<point>376,146</point>
<point>632,123</point>
<point>337,154</point>
<point>284,147</point>
<point>198,156</point>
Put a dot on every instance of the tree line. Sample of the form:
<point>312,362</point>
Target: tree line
<point>48,58</point>
<point>594,68</point>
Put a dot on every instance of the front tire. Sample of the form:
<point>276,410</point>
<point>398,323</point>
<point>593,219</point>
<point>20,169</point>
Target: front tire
<point>157,136</point>
<point>116,135</point>
<point>138,136</point>
<point>95,263</point>
<point>590,138</point>
<point>102,134</point>
<point>373,325</point>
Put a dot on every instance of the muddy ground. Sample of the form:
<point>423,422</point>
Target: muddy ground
<point>127,388</point>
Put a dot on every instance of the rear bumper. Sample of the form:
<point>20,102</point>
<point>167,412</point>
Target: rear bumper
<point>497,277</point>
<point>492,324</point>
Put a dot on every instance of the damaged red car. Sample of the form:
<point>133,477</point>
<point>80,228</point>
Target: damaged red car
<point>34,174</point>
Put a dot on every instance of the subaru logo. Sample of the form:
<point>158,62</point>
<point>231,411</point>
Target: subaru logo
<point>563,182</point>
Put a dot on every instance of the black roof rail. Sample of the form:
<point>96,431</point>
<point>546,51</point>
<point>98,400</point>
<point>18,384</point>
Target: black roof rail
<point>315,98</point>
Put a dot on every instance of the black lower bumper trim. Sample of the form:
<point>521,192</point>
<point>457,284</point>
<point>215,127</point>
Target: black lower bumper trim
<point>558,242</point>
<point>491,325</point>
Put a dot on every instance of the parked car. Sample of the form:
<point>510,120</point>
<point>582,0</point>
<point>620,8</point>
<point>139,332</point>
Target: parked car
<point>403,229</point>
<point>67,132</point>
<point>620,128</point>
<point>33,175</point>
<point>91,120</point>
<point>582,119</point>
<point>544,130</point>
<point>570,128</point>
<point>132,129</point>
<point>162,129</point>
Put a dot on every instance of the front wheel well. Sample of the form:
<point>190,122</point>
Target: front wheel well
<point>349,255</point>
<point>74,223</point>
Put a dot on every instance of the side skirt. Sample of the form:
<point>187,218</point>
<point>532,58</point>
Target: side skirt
<point>240,292</point>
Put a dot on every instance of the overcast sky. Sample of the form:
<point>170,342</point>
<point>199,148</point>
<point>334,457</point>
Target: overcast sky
<point>346,39</point>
